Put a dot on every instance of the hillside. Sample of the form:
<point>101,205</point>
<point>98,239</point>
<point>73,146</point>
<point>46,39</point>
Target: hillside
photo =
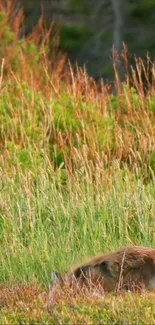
<point>77,166</point>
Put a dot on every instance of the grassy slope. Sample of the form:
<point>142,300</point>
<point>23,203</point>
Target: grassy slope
<point>76,178</point>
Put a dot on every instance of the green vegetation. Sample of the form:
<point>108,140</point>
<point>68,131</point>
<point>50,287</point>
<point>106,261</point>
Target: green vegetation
<point>76,178</point>
<point>80,6</point>
<point>72,38</point>
<point>29,305</point>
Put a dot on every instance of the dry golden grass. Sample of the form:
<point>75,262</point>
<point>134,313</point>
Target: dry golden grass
<point>25,304</point>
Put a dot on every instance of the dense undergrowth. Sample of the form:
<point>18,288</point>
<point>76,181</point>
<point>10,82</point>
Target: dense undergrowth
<point>77,167</point>
<point>29,305</point>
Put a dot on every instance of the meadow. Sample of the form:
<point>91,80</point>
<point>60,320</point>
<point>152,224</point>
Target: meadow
<point>77,165</point>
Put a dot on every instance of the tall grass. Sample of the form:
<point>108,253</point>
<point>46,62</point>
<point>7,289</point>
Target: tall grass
<point>77,162</point>
<point>46,225</point>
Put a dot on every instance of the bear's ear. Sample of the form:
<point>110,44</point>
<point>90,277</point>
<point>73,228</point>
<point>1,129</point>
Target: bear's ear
<point>56,277</point>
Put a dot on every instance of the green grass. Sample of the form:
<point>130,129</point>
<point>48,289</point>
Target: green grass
<point>46,225</point>
<point>76,178</point>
